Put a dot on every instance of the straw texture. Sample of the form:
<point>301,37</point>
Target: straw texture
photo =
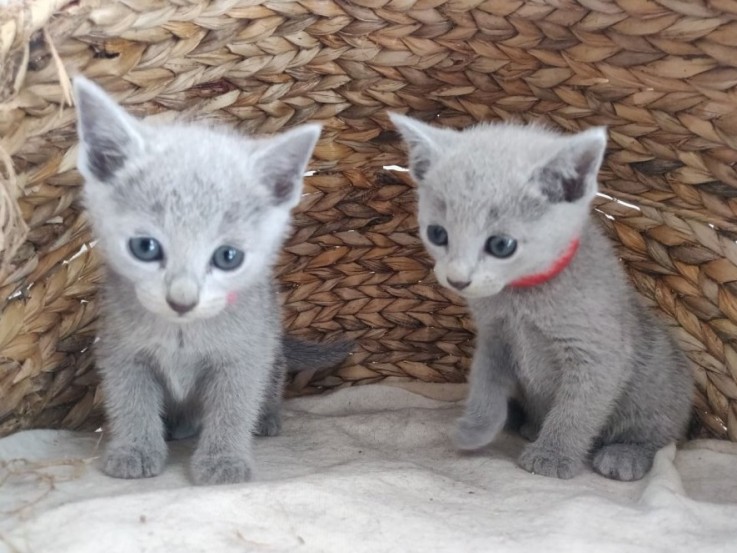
<point>660,73</point>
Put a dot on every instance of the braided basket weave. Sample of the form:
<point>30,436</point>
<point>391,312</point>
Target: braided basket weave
<point>660,73</point>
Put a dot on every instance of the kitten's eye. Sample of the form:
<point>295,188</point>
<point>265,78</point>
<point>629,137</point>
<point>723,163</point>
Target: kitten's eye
<point>228,258</point>
<point>146,248</point>
<point>501,246</point>
<point>437,235</point>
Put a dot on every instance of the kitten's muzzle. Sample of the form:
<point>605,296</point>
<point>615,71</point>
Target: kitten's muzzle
<point>458,274</point>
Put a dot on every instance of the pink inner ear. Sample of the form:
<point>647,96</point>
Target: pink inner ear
<point>231,298</point>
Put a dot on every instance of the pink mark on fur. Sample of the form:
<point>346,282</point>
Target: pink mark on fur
<point>231,298</point>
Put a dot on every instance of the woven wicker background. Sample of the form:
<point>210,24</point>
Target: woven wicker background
<point>660,73</point>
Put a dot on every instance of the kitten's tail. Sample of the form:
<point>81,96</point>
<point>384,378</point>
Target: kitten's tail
<point>304,356</point>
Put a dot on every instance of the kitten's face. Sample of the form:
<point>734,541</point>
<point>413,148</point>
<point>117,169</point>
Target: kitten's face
<point>190,216</point>
<point>499,203</point>
<point>182,230</point>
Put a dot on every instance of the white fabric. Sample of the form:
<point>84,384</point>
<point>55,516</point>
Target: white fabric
<point>364,469</point>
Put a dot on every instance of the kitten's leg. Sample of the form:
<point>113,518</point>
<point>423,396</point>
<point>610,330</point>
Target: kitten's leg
<point>133,402</point>
<point>231,401</point>
<point>584,398</point>
<point>269,421</point>
<point>651,414</point>
<point>624,461</point>
<point>490,384</point>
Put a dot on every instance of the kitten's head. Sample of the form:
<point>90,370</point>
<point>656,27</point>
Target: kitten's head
<point>499,202</point>
<point>189,215</point>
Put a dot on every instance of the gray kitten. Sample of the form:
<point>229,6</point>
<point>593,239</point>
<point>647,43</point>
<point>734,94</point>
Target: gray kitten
<point>189,220</point>
<point>504,211</point>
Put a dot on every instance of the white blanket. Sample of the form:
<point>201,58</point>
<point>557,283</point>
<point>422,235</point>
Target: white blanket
<point>364,469</point>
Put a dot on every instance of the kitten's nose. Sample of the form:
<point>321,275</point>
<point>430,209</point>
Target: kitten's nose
<point>459,284</point>
<point>183,293</point>
<point>181,308</point>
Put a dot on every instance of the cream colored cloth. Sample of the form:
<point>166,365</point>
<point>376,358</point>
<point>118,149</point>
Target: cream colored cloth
<point>365,469</point>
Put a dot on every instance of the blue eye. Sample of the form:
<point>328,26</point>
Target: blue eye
<point>437,235</point>
<point>228,258</point>
<point>145,248</point>
<point>501,246</point>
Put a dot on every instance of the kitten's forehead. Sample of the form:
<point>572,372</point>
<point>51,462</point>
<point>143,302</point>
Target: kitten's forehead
<point>486,172</point>
<point>192,176</point>
<point>479,214</point>
<point>498,156</point>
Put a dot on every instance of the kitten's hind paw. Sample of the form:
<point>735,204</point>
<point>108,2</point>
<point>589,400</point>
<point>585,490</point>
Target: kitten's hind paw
<point>549,462</point>
<point>134,462</point>
<point>220,469</point>
<point>268,425</point>
<point>472,434</point>
<point>623,461</point>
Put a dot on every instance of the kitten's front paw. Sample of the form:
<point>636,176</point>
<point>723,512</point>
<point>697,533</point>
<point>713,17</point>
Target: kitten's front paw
<point>623,461</point>
<point>269,425</point>
<point>549,462</point>
<point>220,469</point>
<point>472,434</point>
<point>134,462</point>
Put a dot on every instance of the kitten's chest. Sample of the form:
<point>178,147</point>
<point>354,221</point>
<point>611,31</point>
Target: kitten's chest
<point>525,333</point>
<point>180,361</point>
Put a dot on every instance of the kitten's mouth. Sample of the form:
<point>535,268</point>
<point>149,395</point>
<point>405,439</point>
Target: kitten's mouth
<point>473,292</point>
<point>182,318</point>
<point>478,294</point>
<point>171,316</point>
<point>189,316</point>
<point>178,318</point>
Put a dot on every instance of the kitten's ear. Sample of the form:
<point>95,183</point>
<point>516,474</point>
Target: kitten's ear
<point>572,174</point>
<point>108,135</point>
<point>424,143</point>
<point>281,162</point>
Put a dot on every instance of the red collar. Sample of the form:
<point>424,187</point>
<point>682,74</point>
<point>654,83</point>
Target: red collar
<point>555,269</point>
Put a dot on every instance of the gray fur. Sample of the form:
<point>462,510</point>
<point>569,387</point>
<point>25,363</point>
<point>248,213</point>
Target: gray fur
<point>304,356</point>
<point>218,368</point>
<point>598,376</point>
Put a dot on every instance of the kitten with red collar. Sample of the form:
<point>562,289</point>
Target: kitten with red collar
<point>504,212</point>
